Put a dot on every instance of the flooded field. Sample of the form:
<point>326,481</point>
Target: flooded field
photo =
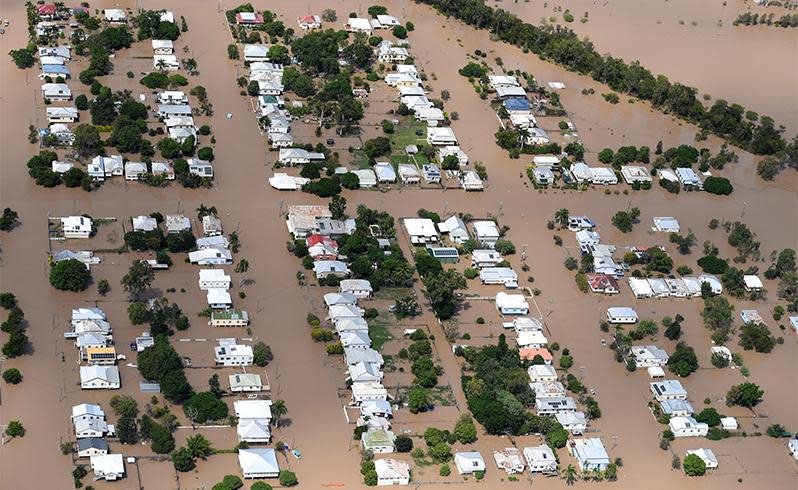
<point>695,43</point>
<point>301,374</point>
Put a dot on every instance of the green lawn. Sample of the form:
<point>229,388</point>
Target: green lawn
<point>392,294</point>
<point>379,335</point>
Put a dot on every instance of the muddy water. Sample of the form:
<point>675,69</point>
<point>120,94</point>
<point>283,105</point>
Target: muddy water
<point>301,375</point>
<point>691,42</point>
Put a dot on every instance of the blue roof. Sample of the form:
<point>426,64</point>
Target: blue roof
<point>516,104</point>
<point>59,69</point>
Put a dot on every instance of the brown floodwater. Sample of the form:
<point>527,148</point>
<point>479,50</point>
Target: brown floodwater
<point>694,43</point>
<point>301,374</point>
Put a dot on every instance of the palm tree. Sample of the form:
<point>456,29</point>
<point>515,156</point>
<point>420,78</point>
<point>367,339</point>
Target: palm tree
<point>241,267</point>
<point>203,211</point>
<point>160,65</point>
<point>523,136</point>
<point>561,217</point>
<point>570,475</point>
<point>234,243</point>
<point>278,410</point>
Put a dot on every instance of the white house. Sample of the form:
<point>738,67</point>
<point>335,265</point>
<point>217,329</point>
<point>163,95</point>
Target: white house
<point>307,22</point>
<point>62,115</point>
<point>547,389</point>
<point>441,136</point>
<point>163,46</point>
<point>509,460</point>
<point>541,372</point>
<point>134,170</point>
<point>366,177</point>
<point>365,372</point>
<point>166,62</point>
<point>729,423</point>
<point>108,467</point>
<point>354,356</point>
<point>228,353</point>
<point>468,462</point>
<point>256,52</point>
<point>76,227</point>
<point>421,230</point>
<point>485,258</point>
<point>670,389</point>
<point>574,422</point>
<point>687,427</point>
<point>384,172</point>
<point>392,472</point>
<point>360,288</point>
<point>326,268</point>
<point>688,177</point>
<point>409,173</point>
<point>540,459</point>
<point>753,283</point>
<point>369,391</point>
<point>358,24</point>
<point>553,405</point>
<point>115,15</point>
<point>649,355</point>
<point>210,256</point>
<point>245,383</point>
<point>91,446</point>
<point>531,339</point>
<point>254,417</point>
<point>589,453</point>
<point>634,173</point>
<point>499,275</point>
<point>666,224</point>
<point>511,304</point>
<point>621,315</point>
<point>677,408</point>
<point>213,279</point>
<point>378,441</point>
<point>56,92</point>
<point>99,378</point>
<point>258,463</point>
<point>355,339</point>
<point>105,166</point>
<point>793,448</point>
<point>471,181</point>
<point>218,298</point>
<point>706,455</point>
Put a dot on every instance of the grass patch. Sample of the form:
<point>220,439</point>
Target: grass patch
<point>379,335</point>
<point>392,294</point>
<point>405,134</point>
<point>442,395</point>
<point>359,159</point>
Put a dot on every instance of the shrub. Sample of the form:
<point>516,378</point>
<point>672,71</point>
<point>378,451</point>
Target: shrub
<point>70,275</point>
<point>694,466</point>
<point>12,376</point>
<point>718,185</point>
<point>288,478</point>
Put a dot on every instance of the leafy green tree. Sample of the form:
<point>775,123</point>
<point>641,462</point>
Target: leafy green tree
<point>162,440</point>
<point>8,219</point>
<point>288,478</point>
<point>403,444</point>
<point>138,278</point>
<point>694,465</point>
<point>418,400</point>
<point>14,428</point>
<point>183,460</point>
<point>204,406</point>
<point>262,354</point>
<point>709,416</point>
<point>126,430</point>
<point>70,275</point>
<point>138,313</point>
<point>198,446</point>
<point>745,395</point>
<point>465,431</point>
<point>683,361</point>
<point>12,376</point>
<point>756,336</point>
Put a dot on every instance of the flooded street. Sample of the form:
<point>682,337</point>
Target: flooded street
<point>307,379</point>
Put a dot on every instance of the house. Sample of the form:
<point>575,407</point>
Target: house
<point>378,441</point>
<point>543,175</point>
<point>245,383</point>
<point>354,356</point>
<point>144,342</point>
<point>668,390</point>
<point>649,355</point>
<point>541,372</point>
<point>63,135</point>
<point>163,46</point>
<point>211,256</point>
<point>134,170</point>
<point>364,372</point>
<point>369,391</point>
<point>213,278</point>
<point>540,459</point>
<point>358,24</point>
<point>589,453</point>
<point>524,121</point>
<point>229,318</point>
<point>640,288</point>
<point>729,423</point>
<point>587,240</point>
<point>167,16</point>
<point>115,15</point>
<point>388,21</point>
<point>325,268</point>
<point>355,339</point>
<point>63,52</point>
<point>392,472</point>
<point>509,460</point>
<point>666,224</point>
<point>432,174</point>
<point>181,134</point>
<point>495,81</point>
<point>322,247</point>
<point>376,408</point>
<point>106,166</point>
<point>576,223</point>
<point>384,172</point>
<point>218,298</point>
<point>530,355</point>
<point>574,422</point>
<point>46,12</point>
<point>293,156</point>
<point>256,52</point>
<point>351,325</point>
<point>430,115</point>
<point>403,79</point>
<point>307,22</point>
<point>687,427</point>
<point>339,312</point>
<point>706,455</point>
<point>254,417</point>
<point>516,105</point>
<point>456,229</point>
<point>258,463</point>
<point>409,173</point>
<point>366,177</point>
<point>603,283</point>
<point>360,288</point>
<point>469,462</point>
<point>171,110</point>
<point>793,447</point>
<point>97,427</point>
<point>61,167</point>
<point>635,174</point>
<point>537,136</point>
<point>506,92</point>
<point>99,378</point>
<point>511,304</point>
<point>499,275</point>
<point>91,446</point>
<point>688,177</point>
<point>388,53</point>
<point>485,258</point>
<point>594,175</point>
<point>676,408</point>
<point>109,467</point>
<point>228,353</point>
<point>202,168</point>
<point>620,315</point>
<point>211,225</point>
<point>547,389</point>
<point>249,19</point>
<point>441,136</point>
<point>751,316</point>
<point>421,230</point>
<point>62,115</point>
<point>486,233</point>
<point>99,355</point>
<point>524,324</point>
<point>753,283</point>
<point>166,62</point>
<point>59,92</point>
<point>174,97</point>
<point>144,223</point>
<point>554,405</point>
<point>175,223</point>
<point>471,181</point>
<point>76,227</point>
<point>281,140</point>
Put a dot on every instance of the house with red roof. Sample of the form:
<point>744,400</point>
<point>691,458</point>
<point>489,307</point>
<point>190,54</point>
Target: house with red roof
<point>530,354</point>
<point>46,12</point>
<point>249,18</point>
<point>307,22</point>
<point>603,283</point>
<point>322,247</point>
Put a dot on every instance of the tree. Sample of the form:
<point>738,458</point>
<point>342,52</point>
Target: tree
<point>440,289</point>
<point>163,442</point>
<point>570,475</point>
<point>23,58</point>
<point>198,446</point>
<point>400,32</point>
<point>288,478</point>
<point>260,485</point>
<point>262,354</point>
<point>465,431</point>
<point>418,400</point>
<point>215,387</point>
<point>15,429</point>
<point>8,219</point>
<point>205,153</point>
<point>683,361</point>
<point>777,431</point>
<point>241,268</point>
<point>183,460</point>
<point>138,278</point>
<point>756,336</point>
<point>169,148</point>
<point>103,287</point>
<point>155,362</point>
<point>709,416</point>
<point>12,376</point>
<point>694,465</point>
<point>718,185</point>
<point>745,395</point>
<point>87,140</point>
<point>70,275</point>
<point>126,430</point>
<point>138,313</point>
<point>504,246</point>
<point>124,405</point>
<point>717,313</point>
<point>561,216</point>
<point>624,221</point>
<point>204,406</point>
<point>350,181</point>
<point>377,147</point>
<point>337,207</point>
<point>279,409</point>
<point>403,444</point>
